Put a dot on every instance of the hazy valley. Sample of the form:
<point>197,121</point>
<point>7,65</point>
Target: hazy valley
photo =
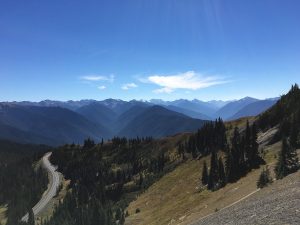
<point>53,122</point>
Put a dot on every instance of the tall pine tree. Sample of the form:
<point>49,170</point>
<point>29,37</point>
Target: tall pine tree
<point>281,169</point>
<point>30,217</point>
<point>255,159</point>
<point>247,145</point>
<point>213,172</point>
<point>204,178</point>
<point>222,177</point>
<point>229,166</point>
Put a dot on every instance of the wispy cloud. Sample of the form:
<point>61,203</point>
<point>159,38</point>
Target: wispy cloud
<point>163,90</point>
<point>101,87</point>
<point>129,86</point>
<point>189,80</point>
<point>94,77</point>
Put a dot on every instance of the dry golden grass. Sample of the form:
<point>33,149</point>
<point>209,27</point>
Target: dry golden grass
<point>239,123</point>
<point>178,198</point>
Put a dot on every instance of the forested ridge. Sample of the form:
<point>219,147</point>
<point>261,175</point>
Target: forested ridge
<point>21,182</point>
<point>105,177</point>
<point>240,152</point>
<point>285,114</point>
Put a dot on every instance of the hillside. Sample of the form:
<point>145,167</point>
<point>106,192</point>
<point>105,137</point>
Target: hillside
<point>56,122</point>
<point>22,184</point>
<point>231,108</point>
<point>55,125</point>
<point>277,204</point>
<point>254,109</point>
<point>284,113</point>
<point>204,108</point>
<point>157,121</point>
<point>179,197</point>
<point>50,125</point>
<point>113,173</point>
<point>14,134</point>
<point>188,112</point>
<point>98,113</point>
<point>127,117</point>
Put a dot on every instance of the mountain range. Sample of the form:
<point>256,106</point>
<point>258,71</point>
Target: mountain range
<point>56,122</point>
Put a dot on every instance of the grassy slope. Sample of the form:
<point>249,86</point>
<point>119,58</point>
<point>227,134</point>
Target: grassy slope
<point>166,145</point>
<point>275,204</point>
<point>178,198</point>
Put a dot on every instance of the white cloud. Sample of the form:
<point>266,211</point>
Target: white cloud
<point>163,90</point>
<point>102,87</point>
<point>189,80</point>
<point>129,86</point>
<point>109,78</point>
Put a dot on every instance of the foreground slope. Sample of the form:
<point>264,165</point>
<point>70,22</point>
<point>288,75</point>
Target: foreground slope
<point>276,204</point>
<point>180,198</point>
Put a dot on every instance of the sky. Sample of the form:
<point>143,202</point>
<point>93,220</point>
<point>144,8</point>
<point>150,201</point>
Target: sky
<point>148,49</point>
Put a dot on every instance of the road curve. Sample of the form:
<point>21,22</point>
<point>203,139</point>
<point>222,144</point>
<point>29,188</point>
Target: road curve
<point>52,188</point>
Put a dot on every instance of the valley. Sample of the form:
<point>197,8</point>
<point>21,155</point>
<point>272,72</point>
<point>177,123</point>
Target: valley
<point>150,112</point>
<point>73,121</point>
<point>151,180</point>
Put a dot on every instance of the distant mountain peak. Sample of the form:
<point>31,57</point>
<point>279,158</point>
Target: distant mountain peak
<point>247,98</point>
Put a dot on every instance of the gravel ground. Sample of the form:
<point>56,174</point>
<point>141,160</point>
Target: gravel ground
<point>277,204</point>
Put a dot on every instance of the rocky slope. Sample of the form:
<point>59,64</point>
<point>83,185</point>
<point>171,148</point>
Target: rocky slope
<point>277,204</point>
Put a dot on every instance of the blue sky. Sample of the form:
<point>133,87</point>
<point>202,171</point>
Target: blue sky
<point>143,49</point>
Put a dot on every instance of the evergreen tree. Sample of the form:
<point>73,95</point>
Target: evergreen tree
<point>213,172</point>
<point>181,151</point>
<point>204,178</point>
<point>264,178</point>
<point>238,162</point>
<point>88,143</point>
<point>288,160</point>
<point>118,214</point>
<point>141,179</point>
<point>222,177</point>
<point>294,134</point>
<point>30,217</point>
<point>281,169</point>
<point>254,160</point>
<point>229,166</point>
<point>247,144</point>
<point>102,142</point>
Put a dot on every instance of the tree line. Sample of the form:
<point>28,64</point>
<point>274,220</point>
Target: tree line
<point>100,175</point>
<point>241,155</point>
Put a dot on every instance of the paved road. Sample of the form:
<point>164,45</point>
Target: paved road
<point>52,188</point>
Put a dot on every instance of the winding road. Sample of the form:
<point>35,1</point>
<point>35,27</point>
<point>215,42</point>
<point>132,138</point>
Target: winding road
<point>52,188</point>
